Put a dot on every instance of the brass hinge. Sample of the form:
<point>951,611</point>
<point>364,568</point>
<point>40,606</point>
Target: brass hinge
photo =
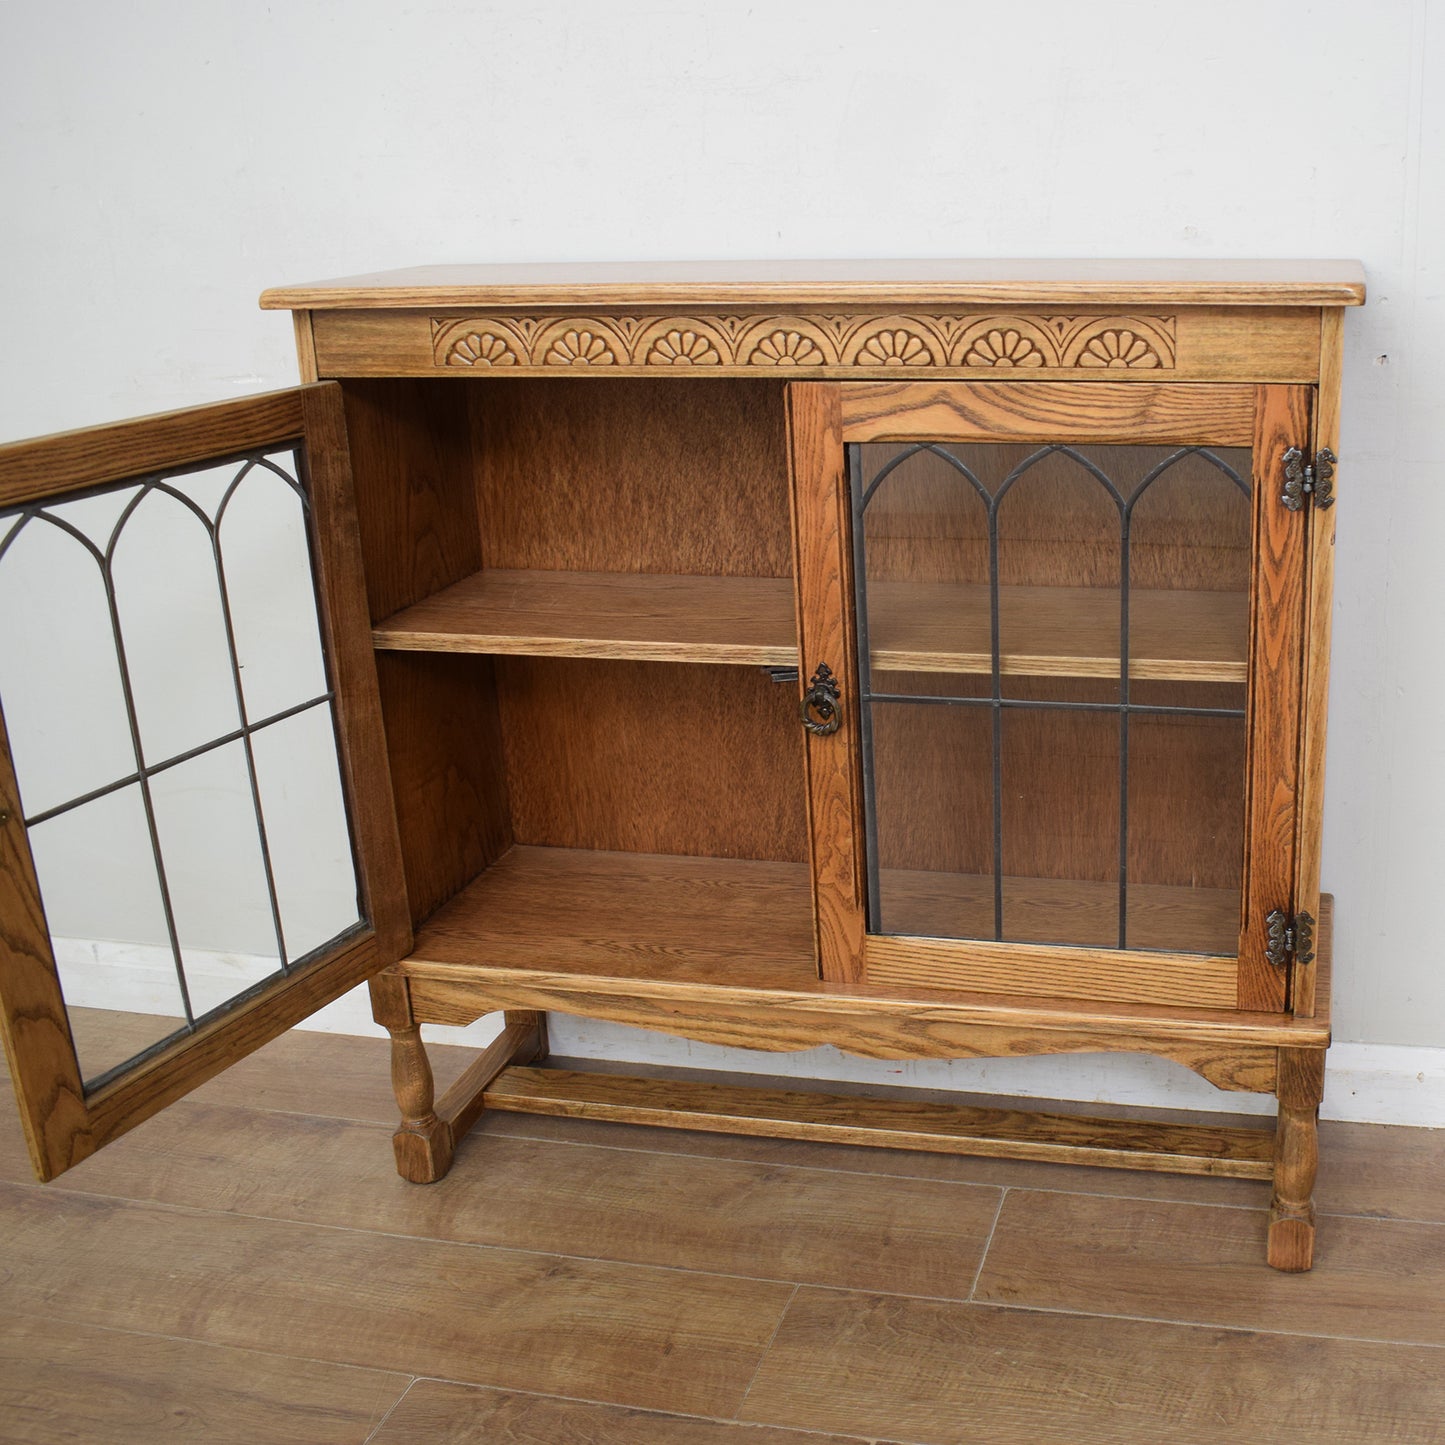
<point>1309,479</point>
<point>1286,938</point>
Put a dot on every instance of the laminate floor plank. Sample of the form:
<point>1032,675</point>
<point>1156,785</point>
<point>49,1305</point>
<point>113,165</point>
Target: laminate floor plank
<point>248,1266</point>
<point>64,1382</point>
<point>1373,1279</point>
<point>304,1071</point>
<point>1386,1171</point>
<point>437,1413</point>
<point>942,1373</point>
<point>624,1334</point>
<point>674,1210</point>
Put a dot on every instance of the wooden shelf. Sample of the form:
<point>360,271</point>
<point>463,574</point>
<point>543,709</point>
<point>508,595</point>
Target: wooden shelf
<point>915,627</point>
<point>632,916</point>
<point>1059,631</point>
<point>721,951</point>
<point>745,923</point>
<point>642,616</point>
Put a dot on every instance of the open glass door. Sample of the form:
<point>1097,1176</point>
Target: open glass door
<point>196,841</point>
<point>1071,622</point>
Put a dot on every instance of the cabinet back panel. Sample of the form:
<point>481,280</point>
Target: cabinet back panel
<point>1057,526</point>
<point>444,743</point>
<point>1060,773</point>
<point>633,475</point>
<point>412,474</point>
<point>651,757</point>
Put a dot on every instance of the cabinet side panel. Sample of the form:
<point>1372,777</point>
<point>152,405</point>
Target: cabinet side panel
<point>825,625</point>
<point>444,742</point>
<point>411,465</point>
<point>633,475</point>
<point>1319,602</point>
<point>1275,692</point>
<point>653,757</point>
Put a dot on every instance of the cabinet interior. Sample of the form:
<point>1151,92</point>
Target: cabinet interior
<point>576,592</point>
<point>576,588</point>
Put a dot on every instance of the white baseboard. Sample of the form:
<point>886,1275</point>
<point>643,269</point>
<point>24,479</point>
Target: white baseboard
<point>1364,1082</point>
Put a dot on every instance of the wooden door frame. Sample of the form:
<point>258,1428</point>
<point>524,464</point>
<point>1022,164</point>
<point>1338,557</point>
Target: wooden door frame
<point>823,418</point>
<point>62,1123</point>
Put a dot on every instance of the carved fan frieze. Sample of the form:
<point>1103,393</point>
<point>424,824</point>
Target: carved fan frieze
<point>866,342</point>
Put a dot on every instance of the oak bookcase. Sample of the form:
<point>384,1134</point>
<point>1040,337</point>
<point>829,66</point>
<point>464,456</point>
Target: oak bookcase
<point>927,659</point>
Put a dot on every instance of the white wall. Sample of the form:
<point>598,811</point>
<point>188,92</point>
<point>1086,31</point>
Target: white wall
<point>164,162</point>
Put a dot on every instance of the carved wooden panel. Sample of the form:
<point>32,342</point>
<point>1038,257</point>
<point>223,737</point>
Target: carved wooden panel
<point>857,342</point>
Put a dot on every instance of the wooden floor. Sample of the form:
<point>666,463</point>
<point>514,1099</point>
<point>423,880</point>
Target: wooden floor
<point>248,1268</point>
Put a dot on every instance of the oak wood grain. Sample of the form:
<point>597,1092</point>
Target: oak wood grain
<point>709,921</point>
<point>70,1382</point>
<point>413,477</point>
<point>822,549</point>
<point>70,461</point>
<point>940,1128</point>
<point>939,904</point>
<point>576,922</point>
<point>39,1049</point>
<point>951,1374</point>
<point>830,282</point>
<point>305,333</point>
<point>1319,608</point>
<point>886,1162</point>
<point>1300,1087</point>
<point>1000,411</point>
<point>1134,976</point>
<point>448,770</point>
<point>1275,694</point>
<point>630,915</point>
<point>341,593</point>
<point>523,1039</point>
<point>636,1336</point>
<point>652,757</point>
<point>640,616</point>
<point>1057,631</point>
<point>852,341</point>
<point>638,475</point>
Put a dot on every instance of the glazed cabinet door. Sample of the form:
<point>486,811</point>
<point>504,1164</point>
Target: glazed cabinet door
<point>197,846</point>
<point>1052,669</point>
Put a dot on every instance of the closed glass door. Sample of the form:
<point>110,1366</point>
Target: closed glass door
<point>1053,644</point>
<point>1064,755</point>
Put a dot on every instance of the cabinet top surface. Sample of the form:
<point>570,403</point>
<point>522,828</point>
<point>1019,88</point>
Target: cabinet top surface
<point>823,283</point>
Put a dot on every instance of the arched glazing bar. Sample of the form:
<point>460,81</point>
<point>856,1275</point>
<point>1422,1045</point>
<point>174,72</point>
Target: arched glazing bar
<point>863,490</point>
<point>103,554</point>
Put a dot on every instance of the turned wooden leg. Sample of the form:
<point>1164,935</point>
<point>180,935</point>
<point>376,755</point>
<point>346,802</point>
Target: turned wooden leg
<point>423,1140</point>
<point>1296,1159</point>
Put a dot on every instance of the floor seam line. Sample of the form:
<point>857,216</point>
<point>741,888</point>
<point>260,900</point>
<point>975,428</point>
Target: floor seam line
<point>854,1439</point>
<point>1244,1329</point>
<point>983,1254</point>
<point>767,1348</point>
<point>391,1410</point>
